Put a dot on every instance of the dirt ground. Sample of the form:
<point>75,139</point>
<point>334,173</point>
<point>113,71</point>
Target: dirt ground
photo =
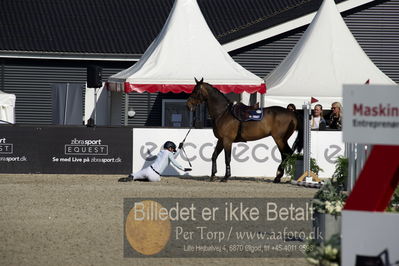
<point>78,219</point>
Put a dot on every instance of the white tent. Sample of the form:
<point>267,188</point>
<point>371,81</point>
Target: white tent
<point>184,49</point>
<point>7,108</point>
<point>326,57</point>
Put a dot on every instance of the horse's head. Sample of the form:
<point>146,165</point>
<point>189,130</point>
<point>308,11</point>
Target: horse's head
<point>198,96</point>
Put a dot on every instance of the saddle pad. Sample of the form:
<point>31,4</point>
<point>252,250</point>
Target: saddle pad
<point>254,115</point>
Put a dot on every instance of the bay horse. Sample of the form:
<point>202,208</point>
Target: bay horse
<point>277,122</point>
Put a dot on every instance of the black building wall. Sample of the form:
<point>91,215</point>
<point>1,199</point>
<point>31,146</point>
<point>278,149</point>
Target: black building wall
<point>375,27</point>
<point>31,81</point>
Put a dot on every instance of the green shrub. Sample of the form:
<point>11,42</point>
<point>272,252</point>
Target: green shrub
<point>289,165</point>
<point>341,171</point>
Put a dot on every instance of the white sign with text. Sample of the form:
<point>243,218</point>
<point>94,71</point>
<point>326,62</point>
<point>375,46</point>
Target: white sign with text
<point>371,114</point>
<point>250,159</point>
<point>375,241</point>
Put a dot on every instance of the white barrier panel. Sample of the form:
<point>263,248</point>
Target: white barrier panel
<point>376,240</point>
<point>250,159</point>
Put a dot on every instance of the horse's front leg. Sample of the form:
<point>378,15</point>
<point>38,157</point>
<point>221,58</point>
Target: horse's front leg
<point>280,170</point>
<point>216,152</point>
<point>227,158</point>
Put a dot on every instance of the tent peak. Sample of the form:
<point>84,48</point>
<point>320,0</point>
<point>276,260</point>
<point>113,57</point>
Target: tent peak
<point>185,48</point>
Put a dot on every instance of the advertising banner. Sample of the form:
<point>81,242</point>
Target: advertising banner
<point>65,150</point>
<point>19,151</point>
<point>371,114</point>
<point>249,159</point>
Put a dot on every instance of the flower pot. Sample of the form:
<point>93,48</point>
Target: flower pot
<point>325,225</point>
<point>298,169</point>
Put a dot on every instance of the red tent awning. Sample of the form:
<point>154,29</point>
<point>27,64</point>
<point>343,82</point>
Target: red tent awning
<point>187,88</point>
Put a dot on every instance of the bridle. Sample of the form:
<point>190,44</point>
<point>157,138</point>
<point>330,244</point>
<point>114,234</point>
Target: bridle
<point>199,96</point>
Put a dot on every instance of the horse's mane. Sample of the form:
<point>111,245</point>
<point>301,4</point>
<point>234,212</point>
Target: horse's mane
<point>219,92</point>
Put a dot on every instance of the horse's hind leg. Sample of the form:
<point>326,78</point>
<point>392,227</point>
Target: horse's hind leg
<point>216,152</point>
<point>285,151</point>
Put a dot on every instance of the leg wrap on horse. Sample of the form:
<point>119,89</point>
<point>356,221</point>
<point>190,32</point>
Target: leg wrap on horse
<point>228,171</point>
<point>214,169</point>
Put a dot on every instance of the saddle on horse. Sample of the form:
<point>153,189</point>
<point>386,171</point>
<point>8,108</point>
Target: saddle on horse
<point>247,113</point>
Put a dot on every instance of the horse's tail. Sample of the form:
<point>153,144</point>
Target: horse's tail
<point>298,143</point>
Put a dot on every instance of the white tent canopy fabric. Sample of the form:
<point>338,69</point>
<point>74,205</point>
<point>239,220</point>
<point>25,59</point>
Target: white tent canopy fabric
<point>326,57</point>
<point>7,107</point>
<point>185,49</point>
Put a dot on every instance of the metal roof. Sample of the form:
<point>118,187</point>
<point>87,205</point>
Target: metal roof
<point>125,28</point>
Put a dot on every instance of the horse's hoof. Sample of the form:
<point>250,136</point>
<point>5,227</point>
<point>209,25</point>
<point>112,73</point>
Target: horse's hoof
<point>276,180</point>
<point>224,180</point>
<point>212,179</point>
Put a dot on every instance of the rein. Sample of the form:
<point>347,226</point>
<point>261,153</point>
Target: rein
<point>182,148</point>
<point>227,108</point>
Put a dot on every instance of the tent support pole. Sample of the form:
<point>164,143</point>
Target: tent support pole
<point>262,100</point>
<point>126,108</point>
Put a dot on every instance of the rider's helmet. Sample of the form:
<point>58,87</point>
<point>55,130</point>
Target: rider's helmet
<point>170,144</point>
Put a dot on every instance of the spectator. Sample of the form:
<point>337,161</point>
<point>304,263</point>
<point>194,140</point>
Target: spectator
<point>291,107</point>
<point>318,122</point>
<point>335,120</point>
